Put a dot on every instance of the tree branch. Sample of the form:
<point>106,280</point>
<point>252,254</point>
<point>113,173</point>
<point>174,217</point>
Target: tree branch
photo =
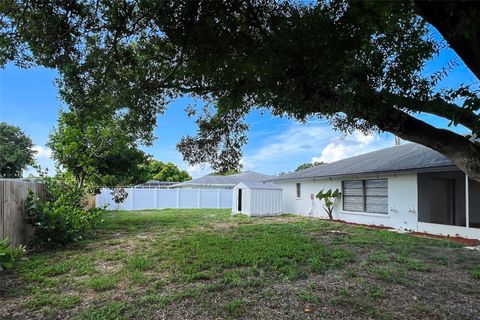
<point>438,107</point>
<point>458,148</point>
<point>457,21</point>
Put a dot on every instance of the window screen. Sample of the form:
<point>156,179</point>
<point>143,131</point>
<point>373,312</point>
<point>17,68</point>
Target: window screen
<point>366,195</point>
<point>299,190</point>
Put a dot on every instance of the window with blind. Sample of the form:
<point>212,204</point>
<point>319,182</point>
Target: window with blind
<point>299,190</point>
<point>366,195</point>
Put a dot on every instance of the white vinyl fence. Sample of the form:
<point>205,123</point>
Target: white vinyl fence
<point>141,199</point>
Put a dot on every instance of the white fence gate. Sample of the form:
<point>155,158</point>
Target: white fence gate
<point>141,199</point>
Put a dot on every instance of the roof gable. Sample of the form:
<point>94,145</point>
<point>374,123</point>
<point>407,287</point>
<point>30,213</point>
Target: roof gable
<point>259,185</point>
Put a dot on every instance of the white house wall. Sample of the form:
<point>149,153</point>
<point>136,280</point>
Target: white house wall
<point>304,204</point>
<point>402,202</point>
<point>448,230</point>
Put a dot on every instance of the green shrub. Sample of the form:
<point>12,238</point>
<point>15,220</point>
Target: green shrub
<point>61,218</point>
<point>8,254</point>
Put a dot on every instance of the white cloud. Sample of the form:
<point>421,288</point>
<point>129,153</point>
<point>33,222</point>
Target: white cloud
<point>332,152</point>
<point>44,159</point>
<point>296,140</point>
<point>42,152</point>
<point>317,141</point>
<point>352,145</point>
<point>198,170</point>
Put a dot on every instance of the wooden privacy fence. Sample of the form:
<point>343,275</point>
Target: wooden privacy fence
<point>13,194</point>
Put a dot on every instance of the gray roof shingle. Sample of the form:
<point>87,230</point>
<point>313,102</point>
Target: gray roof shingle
<point>405,157</point>
<point>262,185</point>
<point>232,180</point>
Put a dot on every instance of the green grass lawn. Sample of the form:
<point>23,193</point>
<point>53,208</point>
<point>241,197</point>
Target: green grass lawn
<point>206,264</point>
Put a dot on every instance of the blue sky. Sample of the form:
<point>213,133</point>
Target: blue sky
<point>28,99</point>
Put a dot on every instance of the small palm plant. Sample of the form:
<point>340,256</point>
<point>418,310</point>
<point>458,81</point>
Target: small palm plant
<point>329,198</point>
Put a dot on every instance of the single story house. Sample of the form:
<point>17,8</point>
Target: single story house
<point>213,181</point>
<point>406,187</point>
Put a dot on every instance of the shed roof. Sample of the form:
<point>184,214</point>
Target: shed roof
<point>403,158</point>
<point>230,180</point>
<point>261,185</point>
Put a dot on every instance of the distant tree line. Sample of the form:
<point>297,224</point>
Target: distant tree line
<point>307,165</point>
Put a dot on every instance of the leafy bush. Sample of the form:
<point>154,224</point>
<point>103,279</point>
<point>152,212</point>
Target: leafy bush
<point>63,217</point>
<point>8,254</point>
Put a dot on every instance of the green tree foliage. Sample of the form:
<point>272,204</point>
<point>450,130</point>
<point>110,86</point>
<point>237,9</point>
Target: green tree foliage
<point>96,150</point>
<point>358,64</point>
<point>63,216</point>
<point>16,151</point>
<point>151,168</point>
<point>8,254</point>
<point>307,165</point>
<point>227,173</point>
<point>172,173</point>
<point>158,170</point>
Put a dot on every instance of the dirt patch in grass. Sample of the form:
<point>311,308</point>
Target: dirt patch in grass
<point>8,284</point>
<point>106,267</point>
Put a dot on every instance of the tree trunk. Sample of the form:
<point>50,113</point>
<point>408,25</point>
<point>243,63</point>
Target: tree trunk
<point>458,23</point>
<point>330,214</point>
<point>80,181</point>
<point>462,151</point>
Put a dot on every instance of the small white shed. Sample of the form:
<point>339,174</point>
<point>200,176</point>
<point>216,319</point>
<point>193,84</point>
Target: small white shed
<point>257,199</point>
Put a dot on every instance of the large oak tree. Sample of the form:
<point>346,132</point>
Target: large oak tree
<point>359,64</point>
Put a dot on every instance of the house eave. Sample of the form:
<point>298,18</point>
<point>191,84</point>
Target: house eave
<point>370,174</point>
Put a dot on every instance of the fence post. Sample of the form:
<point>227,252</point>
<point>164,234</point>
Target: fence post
<point>155,205</point>
<point>199,195</point>
<point>131,198</point>
<point>3,202</point>
<point>218,198</point>
<point>99,199</point>
<point>178,198</point>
